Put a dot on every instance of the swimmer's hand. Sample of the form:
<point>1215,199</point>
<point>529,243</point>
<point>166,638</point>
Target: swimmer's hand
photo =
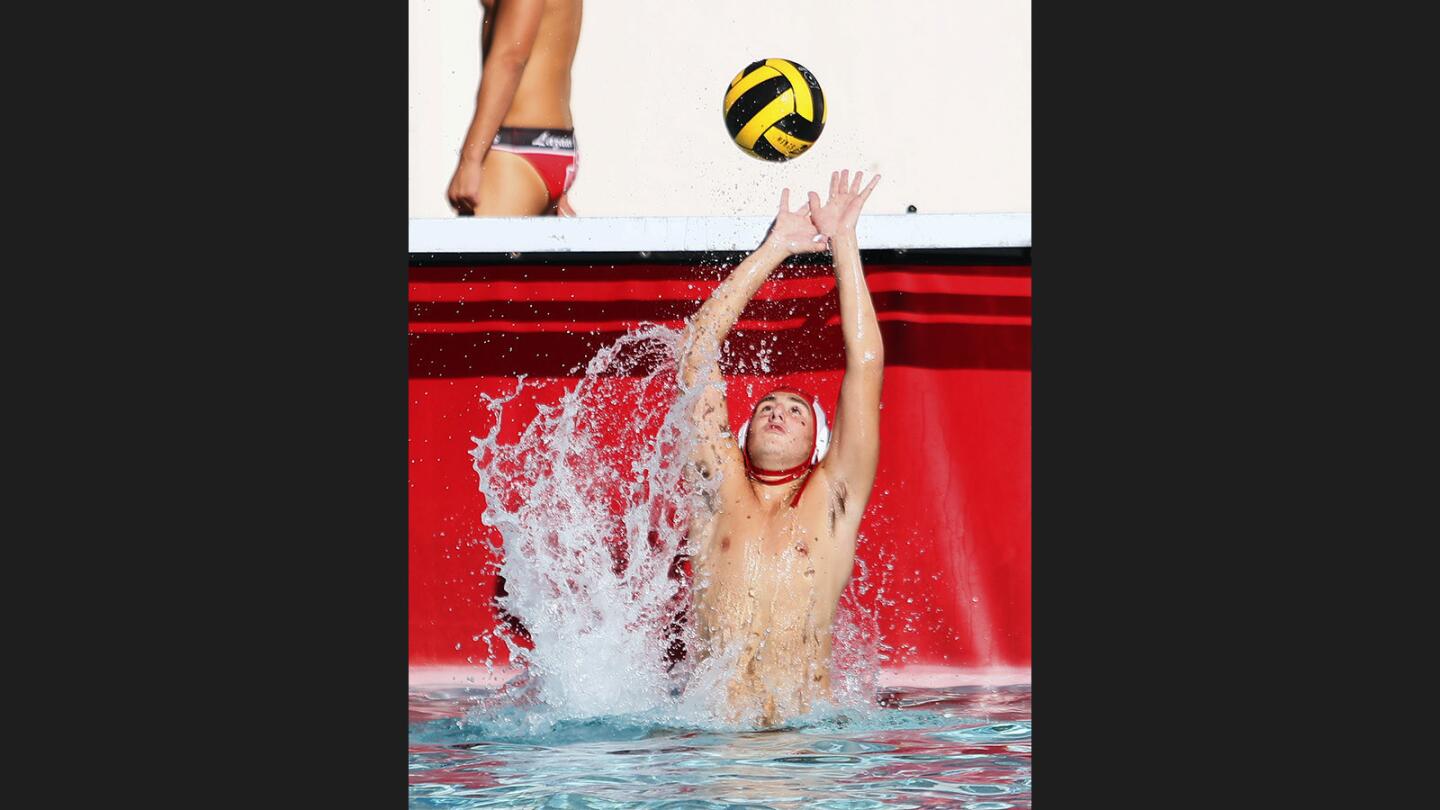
<point>841,212</point>
<point>464,191</point>
<point>793,231</point>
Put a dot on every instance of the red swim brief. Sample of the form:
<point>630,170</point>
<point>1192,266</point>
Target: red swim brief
<point>551,151</point>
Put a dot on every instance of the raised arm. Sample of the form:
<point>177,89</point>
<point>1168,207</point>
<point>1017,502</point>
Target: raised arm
<point>855,441</point>
<point>512,37</point>
<point>792,232</point>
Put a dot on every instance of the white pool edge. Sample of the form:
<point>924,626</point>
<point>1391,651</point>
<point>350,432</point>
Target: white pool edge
<point>698,234</point>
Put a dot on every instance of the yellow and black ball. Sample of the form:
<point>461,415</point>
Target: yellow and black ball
<point>774,109</point>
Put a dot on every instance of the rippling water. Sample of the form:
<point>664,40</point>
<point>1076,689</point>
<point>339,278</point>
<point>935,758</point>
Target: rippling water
<point>965,747</point>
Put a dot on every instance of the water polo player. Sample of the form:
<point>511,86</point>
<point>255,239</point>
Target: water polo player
<point>520,155</point>
<point>778,506</point>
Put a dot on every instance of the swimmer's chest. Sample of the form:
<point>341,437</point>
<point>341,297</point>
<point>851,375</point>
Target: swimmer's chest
<point>746,530</point>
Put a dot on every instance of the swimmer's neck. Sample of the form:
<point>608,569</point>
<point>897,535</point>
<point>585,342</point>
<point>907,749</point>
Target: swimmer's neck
<point>776,497</point>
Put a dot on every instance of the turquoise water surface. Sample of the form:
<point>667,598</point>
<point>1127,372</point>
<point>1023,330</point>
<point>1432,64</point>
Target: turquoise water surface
<point>965,746</point>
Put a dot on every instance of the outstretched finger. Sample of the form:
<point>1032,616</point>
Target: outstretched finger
<point>814,202</point>
<point>834,184</point>
<point>855,187</point>
<point>785,201</point>
<point>865,195</point>
<point>844,180</point>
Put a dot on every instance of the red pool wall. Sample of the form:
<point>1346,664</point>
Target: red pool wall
<point>951,510</point>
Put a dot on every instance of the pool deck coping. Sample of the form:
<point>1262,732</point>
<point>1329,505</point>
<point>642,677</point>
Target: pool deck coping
<point>470,235</point>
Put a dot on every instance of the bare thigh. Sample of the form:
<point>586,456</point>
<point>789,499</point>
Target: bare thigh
<point>510,187</point>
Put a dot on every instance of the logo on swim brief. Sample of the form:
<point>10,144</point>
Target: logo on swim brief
<point>548,140</point>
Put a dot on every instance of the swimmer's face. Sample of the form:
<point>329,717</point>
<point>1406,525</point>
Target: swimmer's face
<point>780,431</point>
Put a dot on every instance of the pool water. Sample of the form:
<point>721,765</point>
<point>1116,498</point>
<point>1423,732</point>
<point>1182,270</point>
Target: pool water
<point>598,713</point>
<point>958,746</point>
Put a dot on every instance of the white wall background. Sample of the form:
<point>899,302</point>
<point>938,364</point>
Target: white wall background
<point>932,94</point>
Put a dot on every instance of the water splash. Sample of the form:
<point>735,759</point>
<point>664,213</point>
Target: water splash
<point>592,508</point>
<point>585,502</point>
